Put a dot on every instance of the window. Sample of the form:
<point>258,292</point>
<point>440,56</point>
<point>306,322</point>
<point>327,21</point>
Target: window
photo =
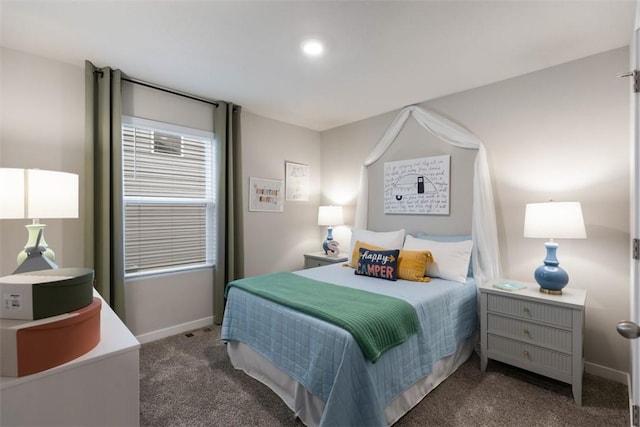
<point>169,197</point>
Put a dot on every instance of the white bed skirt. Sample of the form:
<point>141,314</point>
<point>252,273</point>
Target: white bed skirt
<point>308,408</point>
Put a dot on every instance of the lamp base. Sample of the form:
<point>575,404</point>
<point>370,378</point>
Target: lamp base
<point>329,245</point>
<point>36,262</point>
<point>550,291</point>
<point>36,255</point>
<point>33,230</point>
<point>550,276</point>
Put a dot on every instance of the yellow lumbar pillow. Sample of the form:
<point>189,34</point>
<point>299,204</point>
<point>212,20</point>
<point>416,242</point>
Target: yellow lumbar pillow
<point>412,265</point>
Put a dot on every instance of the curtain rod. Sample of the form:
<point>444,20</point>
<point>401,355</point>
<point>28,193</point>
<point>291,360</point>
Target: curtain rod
<point>171,91</point>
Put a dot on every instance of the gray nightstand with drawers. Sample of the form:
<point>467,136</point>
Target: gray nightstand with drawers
<point>318,259</point>
<point>534,331</point>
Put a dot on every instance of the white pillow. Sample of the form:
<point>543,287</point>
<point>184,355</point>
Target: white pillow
<point>384,239</point>
<point>451,258</point>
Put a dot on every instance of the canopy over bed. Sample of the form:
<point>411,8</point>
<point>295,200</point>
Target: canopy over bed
<point>486,253</point>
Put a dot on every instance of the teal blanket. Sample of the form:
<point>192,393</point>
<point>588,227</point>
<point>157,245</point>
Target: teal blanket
<point>377,322</point>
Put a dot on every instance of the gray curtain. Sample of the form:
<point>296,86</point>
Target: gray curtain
<point>104,236</point>
<point>230,262</point>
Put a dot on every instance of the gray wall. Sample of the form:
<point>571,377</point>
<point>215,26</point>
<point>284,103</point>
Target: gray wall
<point>561,133</point>
<point>276,241</point>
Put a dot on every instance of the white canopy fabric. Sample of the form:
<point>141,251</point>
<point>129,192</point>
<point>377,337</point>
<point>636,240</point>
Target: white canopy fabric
<point>486,253</point>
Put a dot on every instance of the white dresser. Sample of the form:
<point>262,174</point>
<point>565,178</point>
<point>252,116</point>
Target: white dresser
<point>534,331</point>
<point>99,388</point>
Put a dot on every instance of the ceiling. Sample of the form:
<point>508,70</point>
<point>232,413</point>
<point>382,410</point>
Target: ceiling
<point>379,55</point>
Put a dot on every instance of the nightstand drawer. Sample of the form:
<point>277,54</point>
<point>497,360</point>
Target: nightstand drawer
<point>533,333</point>
<point>530,310</point>
<point>312,263</point>
<point>528,356</point>
<point>318,259</point>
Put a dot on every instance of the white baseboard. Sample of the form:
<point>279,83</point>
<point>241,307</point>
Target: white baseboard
<point>174,330</point>
<point>608,373</point>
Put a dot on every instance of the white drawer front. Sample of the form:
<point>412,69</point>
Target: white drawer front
<point>544,336</point>
<point>530,310</point>
<point>529,356</point>
<point>312,263</point>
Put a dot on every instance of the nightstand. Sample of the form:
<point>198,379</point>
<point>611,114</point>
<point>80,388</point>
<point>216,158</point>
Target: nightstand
<point>538,332</point>
<point>318,259</point>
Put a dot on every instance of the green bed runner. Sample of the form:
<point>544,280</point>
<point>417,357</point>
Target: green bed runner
<point>377,322</point>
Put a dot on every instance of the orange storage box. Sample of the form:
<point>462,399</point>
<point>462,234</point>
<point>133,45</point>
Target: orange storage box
<point>36,345</point>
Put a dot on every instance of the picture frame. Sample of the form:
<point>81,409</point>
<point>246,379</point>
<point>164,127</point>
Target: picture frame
<point>297,181</point>
<point>266,195</point>
<point>418,186</point>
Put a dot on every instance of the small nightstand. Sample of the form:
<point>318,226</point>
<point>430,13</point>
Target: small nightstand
<point>318,259</point>
<point>534,331</point>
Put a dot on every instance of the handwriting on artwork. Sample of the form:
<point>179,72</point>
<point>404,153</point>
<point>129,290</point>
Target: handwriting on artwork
<point>417,186</point>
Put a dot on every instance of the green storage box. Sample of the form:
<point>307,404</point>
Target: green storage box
<point>46,293</point>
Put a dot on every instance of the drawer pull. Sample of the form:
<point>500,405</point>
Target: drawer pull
<point>525,353</point>
<point>526,310</point>
<point>526,332</point>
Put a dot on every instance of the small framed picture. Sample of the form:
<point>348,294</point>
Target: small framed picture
<point>297,179</point>
<point>266,195</point>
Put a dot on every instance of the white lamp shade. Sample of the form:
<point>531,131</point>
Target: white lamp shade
<point>35,194</point>
<point>554,220</point>
<point>330,215</point>
<point>11,193</point>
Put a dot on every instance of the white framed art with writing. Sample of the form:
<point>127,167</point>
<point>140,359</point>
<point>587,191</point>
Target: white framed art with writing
<point>266,195</point>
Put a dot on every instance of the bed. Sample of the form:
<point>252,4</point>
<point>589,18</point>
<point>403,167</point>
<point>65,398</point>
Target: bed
<point>319,370</point>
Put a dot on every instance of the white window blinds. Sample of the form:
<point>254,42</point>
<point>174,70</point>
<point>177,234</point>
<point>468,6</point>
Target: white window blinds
<point>169,206</point>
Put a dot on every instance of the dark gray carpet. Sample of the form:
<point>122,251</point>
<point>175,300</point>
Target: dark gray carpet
<point>189,381</point>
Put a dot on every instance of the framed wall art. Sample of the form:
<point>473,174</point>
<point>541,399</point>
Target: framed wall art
<point>266,195</point>
<point>297,181</point>
<point>417,186</point>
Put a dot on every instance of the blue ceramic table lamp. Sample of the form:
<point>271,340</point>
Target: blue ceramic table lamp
<point>330,216</point>
<point>553,220</point>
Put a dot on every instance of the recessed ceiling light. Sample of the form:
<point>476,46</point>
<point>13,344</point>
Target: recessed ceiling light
<point>312,47</point>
